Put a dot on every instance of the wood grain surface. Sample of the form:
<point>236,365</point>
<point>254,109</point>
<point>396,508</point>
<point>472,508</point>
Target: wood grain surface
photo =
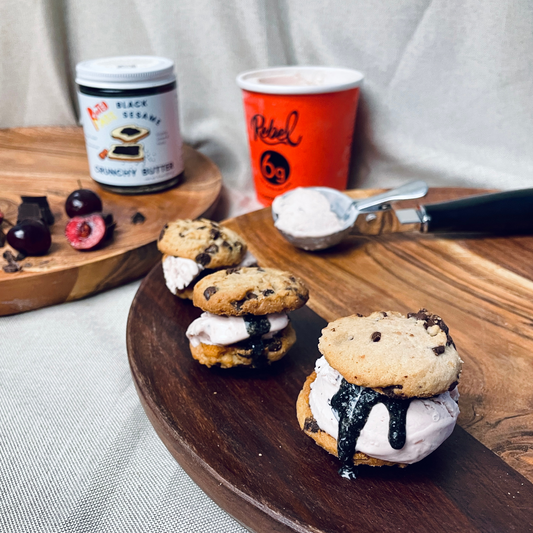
<point>50,161</point>
<point>236,434</point>
<point>482,287</point>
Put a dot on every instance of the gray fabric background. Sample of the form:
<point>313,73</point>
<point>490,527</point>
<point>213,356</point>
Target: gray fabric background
<point>447,95</point>
<point>447,98</point>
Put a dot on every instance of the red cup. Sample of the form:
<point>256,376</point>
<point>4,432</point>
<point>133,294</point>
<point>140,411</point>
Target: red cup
<point>300,123</point>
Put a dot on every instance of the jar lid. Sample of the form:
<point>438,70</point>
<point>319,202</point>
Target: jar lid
<point>126,72</point>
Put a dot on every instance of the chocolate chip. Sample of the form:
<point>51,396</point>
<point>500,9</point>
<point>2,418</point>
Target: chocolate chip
<point>359,315</point>
<point>384,314</point>
<point>311,425</point>
<point>226,244</point>
<point>213,249</point>
<point>209,292</point>
<point>301,297</point>
<point>438,350</point>
<point>233,270</point>
<point>251,296</point>
<point>391,391</point>
<point>237,304</point>
<point>453,385</point>
<point>274,346</point>
<point>259,269</point>
<point>292,278</point>
<point>138,218</point>
<point>268,292</point>
<point>203,259</point>
<point>376,336</point>
<point>215,234</point>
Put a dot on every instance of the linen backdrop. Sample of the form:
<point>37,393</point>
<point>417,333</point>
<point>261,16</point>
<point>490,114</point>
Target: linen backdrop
<point>446,98</point>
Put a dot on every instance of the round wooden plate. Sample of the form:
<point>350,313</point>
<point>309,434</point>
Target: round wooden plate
<point>236,434</point>
<point>50,161</point>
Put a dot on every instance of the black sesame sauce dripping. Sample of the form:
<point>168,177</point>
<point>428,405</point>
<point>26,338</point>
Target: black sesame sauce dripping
<point>353,404</point>
<point>256,327</point>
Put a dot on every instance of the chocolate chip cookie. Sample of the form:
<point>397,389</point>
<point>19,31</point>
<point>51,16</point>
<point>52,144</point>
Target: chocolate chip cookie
<point>203,241</point>
<point>257,291</point>
<point>398,355</point>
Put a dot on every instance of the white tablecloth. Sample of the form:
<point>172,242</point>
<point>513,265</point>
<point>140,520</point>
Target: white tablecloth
<point>77,452</point>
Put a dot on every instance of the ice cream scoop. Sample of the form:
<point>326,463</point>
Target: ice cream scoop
<point>298,213</point>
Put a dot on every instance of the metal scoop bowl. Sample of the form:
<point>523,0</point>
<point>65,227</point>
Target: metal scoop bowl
<point>347,210</point>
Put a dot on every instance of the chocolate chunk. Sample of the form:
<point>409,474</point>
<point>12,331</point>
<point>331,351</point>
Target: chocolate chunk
<point>209,292</point>
<point>376,336</point>
<point>268,292</point>
<point>213,249</point>
<point>453,385</point>
<point>8,256</point>
<point>311,425</point>
<point>421,315</point>
<point>42,201</point>
<point>138,218</point>
<point>251,296</point>
<point>233,270</point>
<point>359,315</point>
<point>226,244</point>
<point>214,233</point>
<point>384,314</point>
<point>29,211</point>
<point>10,268</point>
<point>438,350</point>
<point>433,320</point>
<point>203,259</point>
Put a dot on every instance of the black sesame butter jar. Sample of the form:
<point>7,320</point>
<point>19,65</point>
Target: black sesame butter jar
<point>129,112</point>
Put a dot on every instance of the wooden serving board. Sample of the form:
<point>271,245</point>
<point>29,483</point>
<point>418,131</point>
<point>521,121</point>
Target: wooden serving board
<point>236,433</point>
<point>50,161</point>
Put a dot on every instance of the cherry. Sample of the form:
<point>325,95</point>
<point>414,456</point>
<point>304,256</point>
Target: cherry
<point>31,237</point>
<point>82,202</point>
<point>86,233</point>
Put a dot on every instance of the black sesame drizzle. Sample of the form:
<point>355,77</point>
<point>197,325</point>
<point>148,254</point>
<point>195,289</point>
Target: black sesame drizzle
<point>256,327</point>
<point>353,404</point>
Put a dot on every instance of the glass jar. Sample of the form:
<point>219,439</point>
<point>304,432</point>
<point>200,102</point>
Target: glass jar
<point>129,113</point>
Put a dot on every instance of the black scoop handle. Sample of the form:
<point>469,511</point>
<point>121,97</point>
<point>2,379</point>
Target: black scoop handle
<point>503,213</point>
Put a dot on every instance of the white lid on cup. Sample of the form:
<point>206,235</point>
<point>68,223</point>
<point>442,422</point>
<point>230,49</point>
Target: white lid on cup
<point>300,80</point>
<point>125,72</point>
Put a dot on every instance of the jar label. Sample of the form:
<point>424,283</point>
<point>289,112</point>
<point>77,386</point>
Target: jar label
<point>132,141</point>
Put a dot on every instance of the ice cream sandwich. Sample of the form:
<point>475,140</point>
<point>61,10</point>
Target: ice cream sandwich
<point>245,321</point>
<point>385,390</point>
<point>193,249</point>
